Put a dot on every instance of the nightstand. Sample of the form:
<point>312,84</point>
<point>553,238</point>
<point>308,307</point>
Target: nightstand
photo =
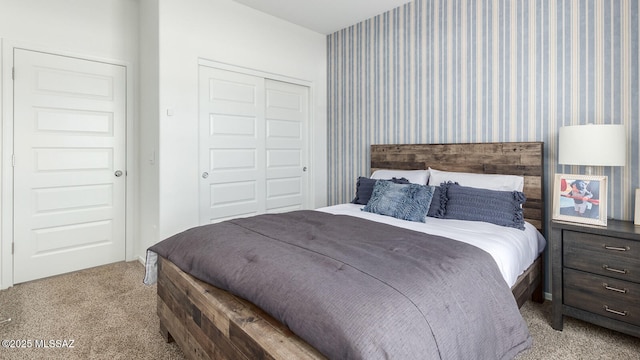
<point>596,274</point>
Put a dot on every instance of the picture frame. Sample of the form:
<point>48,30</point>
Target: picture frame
<point>580,199</point>
<point>636,220</point>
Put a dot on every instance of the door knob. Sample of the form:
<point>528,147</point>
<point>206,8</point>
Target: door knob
<point>205,175</point>
<point>118,173</point>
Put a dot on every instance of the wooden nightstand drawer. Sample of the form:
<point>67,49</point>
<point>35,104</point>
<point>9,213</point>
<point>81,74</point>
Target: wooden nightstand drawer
<point>608,245</point>
<point>601,295</point>
<point>596,274</point>
<point>608,256</point>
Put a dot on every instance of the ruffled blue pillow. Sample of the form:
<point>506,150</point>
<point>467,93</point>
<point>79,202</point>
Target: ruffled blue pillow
<point>402,201</point>
<point>467,203</point>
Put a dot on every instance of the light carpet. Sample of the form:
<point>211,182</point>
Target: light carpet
<point>110,314</point>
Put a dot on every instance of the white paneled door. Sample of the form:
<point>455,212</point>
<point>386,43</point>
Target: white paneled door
<point>70,167</point>
<point>287,112</point>
<point>253,145</point>
<point>231,139</point>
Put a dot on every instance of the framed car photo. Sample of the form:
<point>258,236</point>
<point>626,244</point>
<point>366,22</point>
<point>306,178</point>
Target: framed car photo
<point>580,199</point>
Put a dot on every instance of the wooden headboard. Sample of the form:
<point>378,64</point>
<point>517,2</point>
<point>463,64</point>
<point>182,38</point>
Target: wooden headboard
<point>510,158</point>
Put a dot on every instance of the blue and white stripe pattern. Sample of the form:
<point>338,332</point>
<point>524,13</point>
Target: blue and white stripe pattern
<point>454,71</point>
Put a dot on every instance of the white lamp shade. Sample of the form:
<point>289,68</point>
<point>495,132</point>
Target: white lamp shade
<point>592,145</point>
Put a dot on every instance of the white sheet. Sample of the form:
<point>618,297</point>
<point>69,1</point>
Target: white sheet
<point>513,250</point>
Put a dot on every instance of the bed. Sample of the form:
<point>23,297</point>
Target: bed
<point>210,323</point>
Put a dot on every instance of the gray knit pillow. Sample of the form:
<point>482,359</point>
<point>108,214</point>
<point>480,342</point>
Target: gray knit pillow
<point>466,203</point>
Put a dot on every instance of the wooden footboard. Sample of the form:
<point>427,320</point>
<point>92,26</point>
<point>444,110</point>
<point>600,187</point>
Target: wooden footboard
<point>209,323</point>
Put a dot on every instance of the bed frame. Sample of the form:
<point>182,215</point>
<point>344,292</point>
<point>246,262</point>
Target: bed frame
<point>209,323</point>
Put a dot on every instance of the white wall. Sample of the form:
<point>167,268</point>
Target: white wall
<point>148,191</point>
<point>95,29</point>
<point>162,41</point>
<point>227,32</point>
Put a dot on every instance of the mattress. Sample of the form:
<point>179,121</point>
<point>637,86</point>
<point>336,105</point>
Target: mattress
<point>512,249</point>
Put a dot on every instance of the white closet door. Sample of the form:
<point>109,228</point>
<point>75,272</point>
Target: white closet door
<point>232,141</point>
<point>286,147</point>
<point>69,174</point>
<point>253,145</point>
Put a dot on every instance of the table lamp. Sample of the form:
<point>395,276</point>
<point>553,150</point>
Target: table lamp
<point>592,145</point>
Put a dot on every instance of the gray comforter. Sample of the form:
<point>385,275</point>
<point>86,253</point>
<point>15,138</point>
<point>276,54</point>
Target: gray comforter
<point>356,289</point>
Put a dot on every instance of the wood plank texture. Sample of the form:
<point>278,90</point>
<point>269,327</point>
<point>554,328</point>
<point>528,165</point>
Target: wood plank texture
<point>529,284</point>
<point>209,323</point>
<point>512,158</point>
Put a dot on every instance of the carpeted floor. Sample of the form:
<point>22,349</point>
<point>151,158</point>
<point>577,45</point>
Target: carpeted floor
<point>110,314</point>
<point>577,341</point>
<point>107,311</point>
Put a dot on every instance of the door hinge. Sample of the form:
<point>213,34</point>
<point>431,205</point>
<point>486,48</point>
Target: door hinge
<point>13,73</point>
<point>13,160</point>
<point>13,246</point>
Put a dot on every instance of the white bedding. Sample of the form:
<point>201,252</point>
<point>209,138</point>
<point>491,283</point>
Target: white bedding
<point>513,250</point>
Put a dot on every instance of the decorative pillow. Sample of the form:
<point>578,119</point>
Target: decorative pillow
<point>364,188</point>
<point>483,181</point>
<point>414,176</point>
<point>467,203</point>
<point>407,202</point>
<point>434,208</point>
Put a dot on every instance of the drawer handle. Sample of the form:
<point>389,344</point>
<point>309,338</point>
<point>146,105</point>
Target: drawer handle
<point>621,313</point>
<point>606,286</point>
<point>606,267</point>
<point>617,248</point>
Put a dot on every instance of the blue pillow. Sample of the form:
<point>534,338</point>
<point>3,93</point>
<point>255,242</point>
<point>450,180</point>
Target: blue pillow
<point>434,208</point>
<point>364,188</point>
<point>402,201</point>
<point>467,203</point>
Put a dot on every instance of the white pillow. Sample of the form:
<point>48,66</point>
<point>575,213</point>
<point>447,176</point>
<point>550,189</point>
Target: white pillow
<point>414,176</point>
<point>483,181</point>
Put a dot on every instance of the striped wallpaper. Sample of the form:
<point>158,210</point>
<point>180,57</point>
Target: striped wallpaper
<point>452,71</point>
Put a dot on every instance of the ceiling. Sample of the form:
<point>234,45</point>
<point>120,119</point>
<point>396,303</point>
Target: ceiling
<point>324,16</point>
